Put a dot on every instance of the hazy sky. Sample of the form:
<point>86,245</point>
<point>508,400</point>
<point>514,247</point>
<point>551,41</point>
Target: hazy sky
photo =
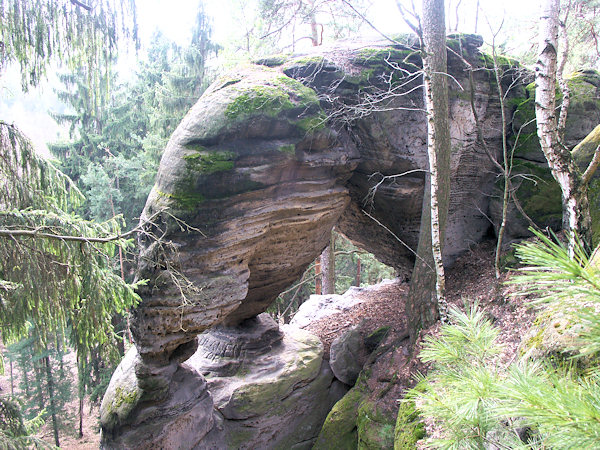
<point>175,18</point>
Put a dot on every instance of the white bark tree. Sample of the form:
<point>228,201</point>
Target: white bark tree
<point>426,300</point>
<point>573,183</point>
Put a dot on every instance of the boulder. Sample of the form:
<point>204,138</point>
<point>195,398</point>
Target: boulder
<point>276,398</point>
<point>320,306</point>
<point>133,417</point>
<point>348,355</point>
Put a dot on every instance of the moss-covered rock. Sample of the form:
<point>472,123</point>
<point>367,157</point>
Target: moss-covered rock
<point>122,394</point>
<point>409,428</point>
<point>340,430</point>
<point>375,427</point>
<point>554,338</point>
<point>270,385</point>
<point>538,192</point>
<point>256,395</point>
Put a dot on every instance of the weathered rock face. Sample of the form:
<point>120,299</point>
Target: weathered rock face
<point>271,388</point>
<point>261,179</point>
<point>248,190</point>
<point>182,418</point>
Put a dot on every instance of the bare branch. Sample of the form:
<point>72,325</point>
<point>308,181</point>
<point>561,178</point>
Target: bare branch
<point>82,5</point>
<point>363,18</point>
<point>591,169</point>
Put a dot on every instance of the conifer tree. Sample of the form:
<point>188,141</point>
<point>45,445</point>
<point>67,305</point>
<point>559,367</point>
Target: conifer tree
<point>35,33</point>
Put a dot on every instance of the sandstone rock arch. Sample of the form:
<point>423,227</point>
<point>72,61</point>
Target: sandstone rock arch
<point>250,185</point>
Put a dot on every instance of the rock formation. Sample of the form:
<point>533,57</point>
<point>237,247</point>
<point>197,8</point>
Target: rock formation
<point>250,185</point>
<point>537,191</point>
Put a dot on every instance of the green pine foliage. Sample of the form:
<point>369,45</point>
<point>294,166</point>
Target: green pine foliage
<point>115,145</point>
<point>35,33</point>
<point>56,270</point>
<point>474,402</point>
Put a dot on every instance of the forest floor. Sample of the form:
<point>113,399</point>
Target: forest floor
<point>470,280</point>
<point>69,430</point>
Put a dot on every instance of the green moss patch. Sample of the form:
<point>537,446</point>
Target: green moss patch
<point>375,428</point>
<point>584,151</point>
<point>210,162</point>
<point>184,200</point>
<point>540,195</point>
<point>124,396</point>
<point>272,60</point>
<point>379,56</point>
<point>267,100</point>
<point>290,149</point>
<point>409,428</point>
<point>340,431</point>
<point>313,123</point>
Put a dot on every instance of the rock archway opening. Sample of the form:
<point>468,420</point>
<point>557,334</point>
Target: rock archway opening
<point>343,265</point>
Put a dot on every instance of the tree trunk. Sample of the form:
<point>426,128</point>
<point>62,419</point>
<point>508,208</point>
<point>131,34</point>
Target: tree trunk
<point>80,416</point>
<point>358,270</point>
<point>318,277</point>
<point>314,27</point>
<point>427,287</point>
<point>328,269</point>
<point>39,384</point>
<point>50,384</point>
<point>81,388</point>
<point>23,363</point>
<point>576,212</point>
<point>12,387</point>
<point>506,164</point>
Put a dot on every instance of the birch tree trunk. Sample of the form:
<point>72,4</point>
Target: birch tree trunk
<point>576,211</point>
<point>427,289</point>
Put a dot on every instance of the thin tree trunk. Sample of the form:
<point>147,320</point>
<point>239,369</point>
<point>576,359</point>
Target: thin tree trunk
<point>22,362</point>
<point>12,387</point>
<point>314,27</point>
<point>318,277</point>
<point>358,270</point>
<point>507,167</point>
<point>427,289</point>
<point>39,384</point>
<point>80,417</point>
<point>328,268</point>
<point>50,384</point>
<point>80,391</point>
